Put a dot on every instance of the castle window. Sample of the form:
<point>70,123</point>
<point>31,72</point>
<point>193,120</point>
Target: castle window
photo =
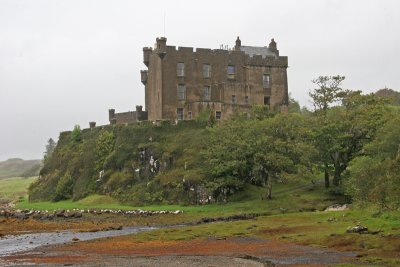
<point>207,93</point>
<point>179,114</point>
<point>266,100</point>
<point>180,69</point>
<point>218,115</point>
<point>266,81</point>
<point>206,71</point>
<point>231,72</point>
<point>181,92</point>
<point>234,100</point>
<point>247,100</point>
<point>189,115</point>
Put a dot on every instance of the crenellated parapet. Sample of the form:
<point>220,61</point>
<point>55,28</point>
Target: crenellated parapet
<point>268,61</point>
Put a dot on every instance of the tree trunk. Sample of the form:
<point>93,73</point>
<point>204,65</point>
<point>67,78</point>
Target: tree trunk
<point>336,176</point>
<point>269,188</point>
<point>326,175</point>
<point>337,171</point>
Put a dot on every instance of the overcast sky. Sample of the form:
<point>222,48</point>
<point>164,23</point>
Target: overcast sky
<point>67,62</point>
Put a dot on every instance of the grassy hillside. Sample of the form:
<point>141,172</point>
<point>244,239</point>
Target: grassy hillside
<point>14,188</point>
<point>19,167</point>
<point>123,154</point>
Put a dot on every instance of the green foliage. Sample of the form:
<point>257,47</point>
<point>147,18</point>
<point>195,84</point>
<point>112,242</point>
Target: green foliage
<point>104,146</point>
<point>206,117</point>
<point>257,150</point>
<point>392,95</point>
<point>51,145</point>
<point>375,177</point>
<point>341,132</point>
<point>64,187</point>
<point>350,136</point>
<point>76,135</point>
<point>293,106</point>
<point>328,91</point>
<point>117,181</point>
<point>116,150</point>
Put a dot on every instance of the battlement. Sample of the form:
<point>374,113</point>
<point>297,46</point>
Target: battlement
<point>127,117</point>
<point>254,55</point>
<point>269,61</point>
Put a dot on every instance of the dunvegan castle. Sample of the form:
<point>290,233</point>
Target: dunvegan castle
<point>181,82</point>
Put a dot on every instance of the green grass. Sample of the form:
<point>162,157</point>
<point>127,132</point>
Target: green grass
<point>14,188</point>
<point>291,197</point>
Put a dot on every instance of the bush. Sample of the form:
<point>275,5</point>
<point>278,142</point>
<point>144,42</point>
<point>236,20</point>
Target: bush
<point>64,187</point>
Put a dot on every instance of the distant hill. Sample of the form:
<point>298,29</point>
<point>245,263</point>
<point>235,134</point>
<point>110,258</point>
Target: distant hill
<point>389,93</point>
<point>19,167</point>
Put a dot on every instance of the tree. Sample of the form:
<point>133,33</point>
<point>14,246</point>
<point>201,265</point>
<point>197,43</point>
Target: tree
<point>293,106</point>
<point>51,144</point>
<point>328,91</point>
<point>342,131</point>
<point>281,148</point>
<point>76,135</point>
<point>258,150</point>
<point>375,176</point>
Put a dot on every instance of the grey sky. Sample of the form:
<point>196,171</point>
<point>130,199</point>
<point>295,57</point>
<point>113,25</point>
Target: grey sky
<point>67,62</point>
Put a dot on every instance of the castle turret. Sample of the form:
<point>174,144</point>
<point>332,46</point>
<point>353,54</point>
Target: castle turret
<point>92,124</point>
<point>161,45</point>
<point>146,55</point>
<point>238,44</point>
<point>143,76</point>
<point>273,47</point>
<point>111,116</point>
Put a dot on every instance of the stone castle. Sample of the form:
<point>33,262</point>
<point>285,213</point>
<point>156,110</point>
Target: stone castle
<point>182,82</point>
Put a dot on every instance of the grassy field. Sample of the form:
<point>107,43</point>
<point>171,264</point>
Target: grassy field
<point>14,188</point>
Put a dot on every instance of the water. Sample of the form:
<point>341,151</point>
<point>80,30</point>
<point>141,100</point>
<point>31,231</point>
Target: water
<point>18,243</point>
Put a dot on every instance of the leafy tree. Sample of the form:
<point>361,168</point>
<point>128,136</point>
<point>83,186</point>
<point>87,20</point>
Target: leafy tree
<point>64,187</point>
<point>327,92</point>
<point>391,94</point>
<point>76,135</point>
<point>281,148</point>
<point>375,177</point>
<point>341,133</point>
<point>258,150</point>
<point>51,144</point>
<point>293,106</point>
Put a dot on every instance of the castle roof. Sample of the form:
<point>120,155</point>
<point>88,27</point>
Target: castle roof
<point>257,50</point>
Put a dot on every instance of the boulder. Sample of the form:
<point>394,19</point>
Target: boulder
<point>338,207</point>
<point>357,229</point>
